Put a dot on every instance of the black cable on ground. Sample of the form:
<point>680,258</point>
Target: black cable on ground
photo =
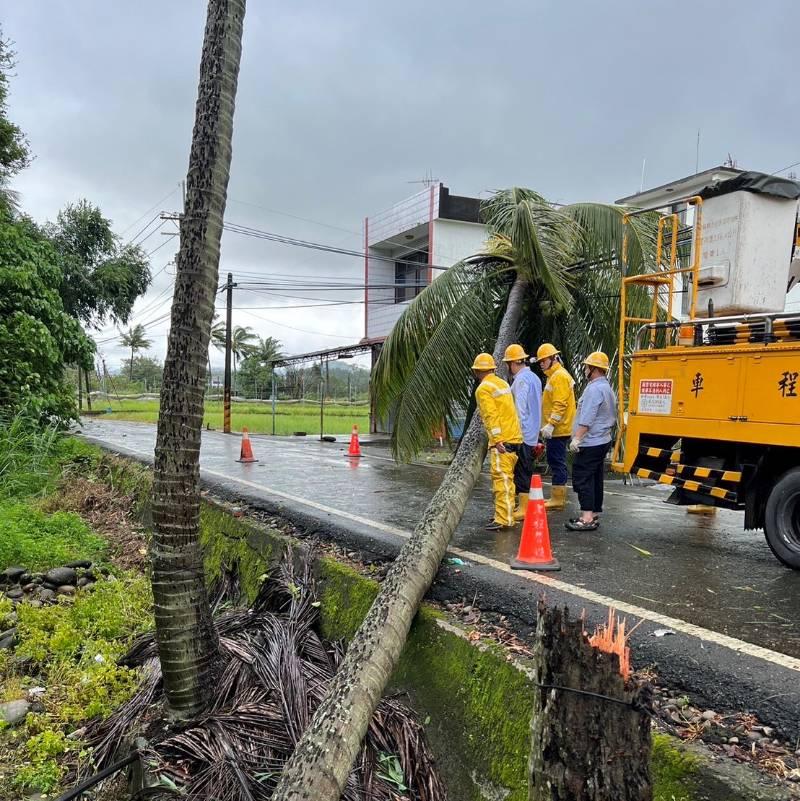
<point>631,704</point>
<point>77,791</point>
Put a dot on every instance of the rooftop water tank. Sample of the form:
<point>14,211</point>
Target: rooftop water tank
<point>748,233</point>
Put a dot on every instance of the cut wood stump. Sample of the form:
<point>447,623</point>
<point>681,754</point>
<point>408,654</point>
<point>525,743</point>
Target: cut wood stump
<point>584,747</point>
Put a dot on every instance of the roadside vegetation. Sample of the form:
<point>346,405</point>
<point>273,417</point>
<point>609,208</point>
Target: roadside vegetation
<point>62,502</point>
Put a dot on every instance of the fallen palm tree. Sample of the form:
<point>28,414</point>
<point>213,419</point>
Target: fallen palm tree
<point>274,671</point>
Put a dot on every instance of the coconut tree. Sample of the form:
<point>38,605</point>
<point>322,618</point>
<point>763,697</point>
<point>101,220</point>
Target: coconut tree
<point>187,642</point>
<point>244,342</point>
<point>531,261</point>
<point>135,339</point>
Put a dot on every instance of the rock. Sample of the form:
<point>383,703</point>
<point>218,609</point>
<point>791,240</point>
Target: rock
<point>755,736</point>
<point>11,574</point>
<point>7,638</point>
<point>88,574</point>
<point>66,589</point>
<point>36,604</point>
<point>61,575</point>
<point>709,714</point>
<point>13,712</point>
<point>25,578</point>
<point>83,581</point>
<point>733,740</point>
<point>46,594</point>
<point>16,592</point>
<point>79,563</point>
<point>49,586</point>
<point>769,732</point>
<point>29,587</point>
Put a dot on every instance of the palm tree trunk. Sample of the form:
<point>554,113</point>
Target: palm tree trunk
<point>187,643</point>
<point>321,762</point>
<point>130,377</point>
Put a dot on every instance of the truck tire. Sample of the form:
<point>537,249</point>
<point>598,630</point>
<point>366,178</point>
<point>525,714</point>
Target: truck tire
<point>782,519</point>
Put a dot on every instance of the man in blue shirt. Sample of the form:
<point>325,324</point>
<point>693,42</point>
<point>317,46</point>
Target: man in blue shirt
<point>527,391</point>
<point>591,436</point>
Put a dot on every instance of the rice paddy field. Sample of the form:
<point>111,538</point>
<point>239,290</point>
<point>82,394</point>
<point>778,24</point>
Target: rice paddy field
<point>290,416</point>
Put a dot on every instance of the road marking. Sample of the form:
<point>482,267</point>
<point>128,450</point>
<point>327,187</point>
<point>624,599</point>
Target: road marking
<point>676,624</point>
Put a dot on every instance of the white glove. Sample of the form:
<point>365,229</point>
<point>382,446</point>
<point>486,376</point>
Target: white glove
<point>547,431</point>
<point>574,445</point>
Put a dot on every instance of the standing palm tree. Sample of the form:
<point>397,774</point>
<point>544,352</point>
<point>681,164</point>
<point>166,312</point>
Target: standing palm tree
<point>243,340</point>
<point>267,350</point>
<point>187,642</point>
<point>423,374</point>
<point>135,339</point>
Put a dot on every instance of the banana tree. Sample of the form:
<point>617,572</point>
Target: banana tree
<point>423,375</point>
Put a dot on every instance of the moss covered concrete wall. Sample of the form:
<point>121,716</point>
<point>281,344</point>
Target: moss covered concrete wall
<point>474,702</point>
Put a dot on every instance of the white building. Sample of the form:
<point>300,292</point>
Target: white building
<point>406,246</point>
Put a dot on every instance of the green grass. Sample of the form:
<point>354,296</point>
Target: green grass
<point>257,417</point>
<point>38,541</point>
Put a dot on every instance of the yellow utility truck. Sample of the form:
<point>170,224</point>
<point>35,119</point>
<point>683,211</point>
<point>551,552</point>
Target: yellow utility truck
<point>710,399</point>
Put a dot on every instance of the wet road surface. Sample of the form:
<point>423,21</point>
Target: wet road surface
<point>705,571</point>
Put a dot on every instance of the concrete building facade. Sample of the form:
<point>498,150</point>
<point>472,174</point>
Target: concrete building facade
<point>407,246</point>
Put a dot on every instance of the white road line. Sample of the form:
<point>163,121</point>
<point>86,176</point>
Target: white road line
<point>715,637</point>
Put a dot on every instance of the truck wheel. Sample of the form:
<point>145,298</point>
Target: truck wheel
<point>782,519</point>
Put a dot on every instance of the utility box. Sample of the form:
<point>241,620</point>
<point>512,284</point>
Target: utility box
<point>747,243</point>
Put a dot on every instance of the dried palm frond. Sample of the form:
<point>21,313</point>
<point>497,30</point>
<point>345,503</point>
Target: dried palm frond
<point>274,671</point>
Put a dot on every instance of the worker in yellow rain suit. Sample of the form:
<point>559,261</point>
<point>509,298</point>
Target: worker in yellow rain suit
<point>558,413</point>
<point>499,415</point>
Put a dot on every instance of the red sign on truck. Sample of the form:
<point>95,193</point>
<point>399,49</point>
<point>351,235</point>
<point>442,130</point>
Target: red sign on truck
<point>655,396</point>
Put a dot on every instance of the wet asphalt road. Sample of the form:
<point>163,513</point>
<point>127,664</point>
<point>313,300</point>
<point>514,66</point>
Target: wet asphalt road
<point>705,571</point>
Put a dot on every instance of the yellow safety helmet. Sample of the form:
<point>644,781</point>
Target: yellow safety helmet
<point>484,361</point>
<point>597,359</point>
<point>515,353</point>
<point>546,351</point>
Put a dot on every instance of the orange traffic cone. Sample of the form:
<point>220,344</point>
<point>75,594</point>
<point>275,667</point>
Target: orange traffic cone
<point>246,454</point>
<point>355,448</point>
<point>534,545</point>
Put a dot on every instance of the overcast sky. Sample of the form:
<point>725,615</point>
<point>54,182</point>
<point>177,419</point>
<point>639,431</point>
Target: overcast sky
<point>341,105</point>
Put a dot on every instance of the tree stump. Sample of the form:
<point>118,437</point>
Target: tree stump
<point>585,748</point>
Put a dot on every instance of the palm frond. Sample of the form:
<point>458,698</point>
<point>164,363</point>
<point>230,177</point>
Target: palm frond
<point>603,230</point>
<point>543,239</point>
<point>274,672</point>
<point>423,377</point>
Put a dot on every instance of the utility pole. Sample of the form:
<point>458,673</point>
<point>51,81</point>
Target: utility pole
<point>226,395</point>
<point>88,391</point>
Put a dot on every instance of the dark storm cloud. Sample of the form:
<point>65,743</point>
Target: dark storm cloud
<point>342,104</point>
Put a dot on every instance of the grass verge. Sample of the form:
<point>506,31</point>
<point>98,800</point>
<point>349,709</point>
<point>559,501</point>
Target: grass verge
<point>257,417</point>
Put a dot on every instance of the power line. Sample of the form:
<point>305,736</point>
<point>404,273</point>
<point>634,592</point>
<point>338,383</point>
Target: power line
<point>246,310</point>
<point>152,208</point>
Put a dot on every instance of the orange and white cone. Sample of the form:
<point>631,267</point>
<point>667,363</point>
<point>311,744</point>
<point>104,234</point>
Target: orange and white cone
<point>355,447</point>
<point>534,545</point>
<point>246,453</point>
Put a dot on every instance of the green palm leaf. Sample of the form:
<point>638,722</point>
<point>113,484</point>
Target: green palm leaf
<point>570,258</point>
<point>423,377</point>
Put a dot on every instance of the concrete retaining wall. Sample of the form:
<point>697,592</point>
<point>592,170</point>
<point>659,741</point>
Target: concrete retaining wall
<point>475,702</point>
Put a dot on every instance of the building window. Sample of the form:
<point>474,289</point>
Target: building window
<point>410,275</point>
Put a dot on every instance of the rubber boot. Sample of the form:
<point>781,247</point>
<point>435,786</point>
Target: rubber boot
<point>558,498</point>
<point>701,509</point>
<point>522,506</point>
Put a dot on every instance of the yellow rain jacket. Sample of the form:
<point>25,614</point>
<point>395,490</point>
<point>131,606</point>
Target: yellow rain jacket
<point>558,400</point>
<point>499,415</point>
<point>498,412</point>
